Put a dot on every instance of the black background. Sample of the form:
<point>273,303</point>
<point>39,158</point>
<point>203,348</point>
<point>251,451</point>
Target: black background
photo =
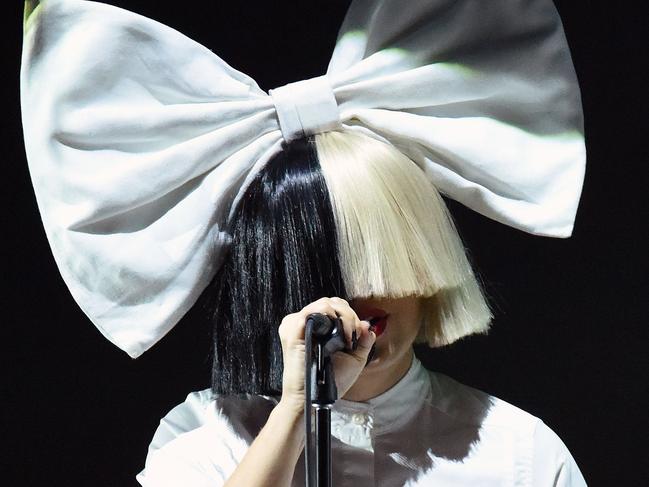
<point>569,342</point>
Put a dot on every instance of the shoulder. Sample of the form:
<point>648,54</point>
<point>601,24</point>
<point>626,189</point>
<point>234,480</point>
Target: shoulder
<point>232,414</point>
<point>473,406</point>
<point>186,416</point>
<point>553,464</point>
<point>205,436</point>
<point>540,454</point>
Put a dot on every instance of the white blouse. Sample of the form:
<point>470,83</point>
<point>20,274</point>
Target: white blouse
<point>427,430</point>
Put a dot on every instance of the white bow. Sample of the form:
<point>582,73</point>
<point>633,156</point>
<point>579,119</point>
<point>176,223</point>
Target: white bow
<point>140,140</point>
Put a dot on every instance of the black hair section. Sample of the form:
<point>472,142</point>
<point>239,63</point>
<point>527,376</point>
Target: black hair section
<point>283,256</point>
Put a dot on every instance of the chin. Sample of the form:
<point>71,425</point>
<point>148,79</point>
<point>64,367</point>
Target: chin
<point>382,359</point>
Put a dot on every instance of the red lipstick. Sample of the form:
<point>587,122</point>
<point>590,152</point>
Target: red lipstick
<point>378,319</point>
<point>377,325</point>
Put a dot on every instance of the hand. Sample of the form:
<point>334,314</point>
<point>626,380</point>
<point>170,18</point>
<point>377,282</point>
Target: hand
<point>347,365</point>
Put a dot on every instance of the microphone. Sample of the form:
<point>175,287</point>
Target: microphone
<point>330,334</point>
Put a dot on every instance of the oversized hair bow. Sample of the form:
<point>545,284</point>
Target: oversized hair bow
<point>140,141</point>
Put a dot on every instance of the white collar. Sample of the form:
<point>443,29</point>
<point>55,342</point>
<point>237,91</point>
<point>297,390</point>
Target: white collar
<point>354,423</point>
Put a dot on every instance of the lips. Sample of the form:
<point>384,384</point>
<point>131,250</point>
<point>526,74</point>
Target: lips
<point>377,325</point>
<point>378,319</point>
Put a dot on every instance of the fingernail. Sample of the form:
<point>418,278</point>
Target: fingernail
<point>368,339</point>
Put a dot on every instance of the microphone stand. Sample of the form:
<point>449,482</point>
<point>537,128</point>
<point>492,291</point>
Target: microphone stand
<point>323,337</point>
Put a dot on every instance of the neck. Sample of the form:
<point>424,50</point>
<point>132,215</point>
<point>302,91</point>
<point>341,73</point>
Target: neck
<point>374,382</point>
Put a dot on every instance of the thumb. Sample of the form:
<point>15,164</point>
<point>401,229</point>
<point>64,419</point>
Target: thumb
<point>365,342</point>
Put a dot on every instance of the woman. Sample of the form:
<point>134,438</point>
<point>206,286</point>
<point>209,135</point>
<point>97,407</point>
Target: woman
<point>306,236</point>
<point>159,168</point>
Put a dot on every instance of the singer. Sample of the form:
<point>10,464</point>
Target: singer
<point>163,174</point>
<point>345,225</point>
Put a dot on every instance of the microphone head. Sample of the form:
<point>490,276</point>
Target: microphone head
<point>327,331</point>
<point>322,325</point>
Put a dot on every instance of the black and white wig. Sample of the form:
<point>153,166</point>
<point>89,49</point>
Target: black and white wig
<point>335,214</point>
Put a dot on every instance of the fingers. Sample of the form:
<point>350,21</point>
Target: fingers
<point>292,326</point>
<point>347,365</point>
<point>365,342</point>
<point>351,323</point>
<point>291,329</point>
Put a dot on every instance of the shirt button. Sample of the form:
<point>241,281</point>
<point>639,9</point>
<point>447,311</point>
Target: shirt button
<point>358,418</point>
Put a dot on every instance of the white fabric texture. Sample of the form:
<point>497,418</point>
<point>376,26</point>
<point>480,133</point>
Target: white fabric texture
<point>140,140</point>
<point>427,430</point>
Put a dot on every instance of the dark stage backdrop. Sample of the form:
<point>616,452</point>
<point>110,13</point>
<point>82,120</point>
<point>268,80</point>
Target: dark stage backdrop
<point>568,343</point>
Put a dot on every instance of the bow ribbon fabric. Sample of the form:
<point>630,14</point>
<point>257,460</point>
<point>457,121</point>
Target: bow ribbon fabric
<point>140,141</point>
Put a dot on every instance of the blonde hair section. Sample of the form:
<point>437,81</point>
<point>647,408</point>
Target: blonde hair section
<point>396,236</point>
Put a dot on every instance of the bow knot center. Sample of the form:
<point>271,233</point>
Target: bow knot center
<point>306,107</point>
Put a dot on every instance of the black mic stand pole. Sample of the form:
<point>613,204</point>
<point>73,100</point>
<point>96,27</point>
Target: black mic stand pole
<point>323,337</point>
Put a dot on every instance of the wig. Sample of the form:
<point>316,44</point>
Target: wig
<point>335,214</point>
